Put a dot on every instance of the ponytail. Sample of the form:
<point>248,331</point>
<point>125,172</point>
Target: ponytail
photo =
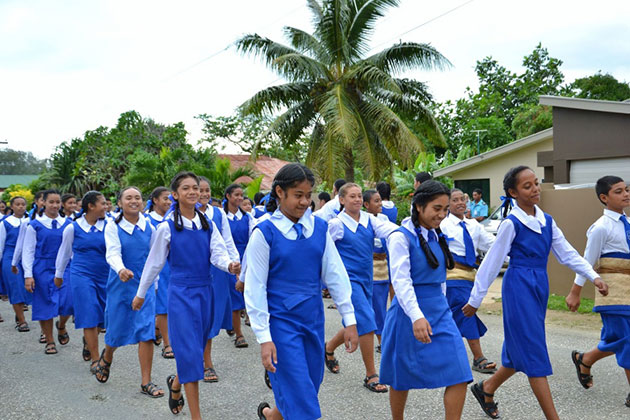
<point>509,183</point>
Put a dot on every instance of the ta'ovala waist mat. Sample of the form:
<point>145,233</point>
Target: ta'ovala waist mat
<point>616,273</point>
<point>380,269</point>
<point>461,272</point>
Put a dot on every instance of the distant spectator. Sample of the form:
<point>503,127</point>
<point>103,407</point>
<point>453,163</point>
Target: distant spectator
<point>3,208</point>
<point>420,178</point>
<point>331,208</point>
<point>389,208</point>
<point>478,208</point>
<point>467,200</point>
<point>323,198</point>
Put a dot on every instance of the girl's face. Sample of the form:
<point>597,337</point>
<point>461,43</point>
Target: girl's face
<point>18,207</point>
<point>458,204</point>
<point>204,193</point>
<point>352,200</point>
<point>108,205</point>
<point>187,193</point>
<point>3,207</point>
<point>375,205</point>
<point>40,202</point>
<point>618,198</point>
<point>131,202</point>
<point>246,206</point>
<point>53,204</point>
<point>70,206</point>
<point>431,215</point>
<point>99,208</point>
<point>527,192</point>
<point>235,198</point>
<point>295,200</point>
<point>162,203</point>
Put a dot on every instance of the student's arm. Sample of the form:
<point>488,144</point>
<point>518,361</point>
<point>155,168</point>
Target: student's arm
<point>595,241</point>
<point>257,255</point>
<point>337,282</point>
<point>335,229</point>
<point>3,238</point>
<point>486,239</point>
<point>156,259</point>
<point>492,263</point>
<point>19,245</point>
<point>218,252</point>
<point>567,255</point>
<point>65,251</point>
<point>382,228</point>
<point>226,232</point>
<point>400,269</point>
<point>28,251</point>
<point>113,249</point>
<point>252,222</point>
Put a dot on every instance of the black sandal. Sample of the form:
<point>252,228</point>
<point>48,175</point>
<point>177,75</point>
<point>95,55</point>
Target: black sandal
<point>490,408</point>
<point>168,354</point>
<point>261,407</point>
<point>628,401</point>
<point>85,353</point>
<point>481,365</point>
<point>372,386</point>
<point>267,380</point>
<point>210,375</point>
<point>240,342</point>
<point>51,348</point>
<point>584,378</point>
<point>157,340</point>
<point>22,327</point>
<point>230,332</point>
<point>331,364</point>
<point>63,338</point>
<point>94,367</point>
<point>42,339</point>
<point>152,390</point>
<point>175,405</point>
<point>102,369</point>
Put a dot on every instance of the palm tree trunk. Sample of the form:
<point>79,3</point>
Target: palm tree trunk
<point>349,158</point>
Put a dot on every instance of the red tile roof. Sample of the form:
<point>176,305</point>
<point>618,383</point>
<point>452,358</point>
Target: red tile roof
<point>264,165</point>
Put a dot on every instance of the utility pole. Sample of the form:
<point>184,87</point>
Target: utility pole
<point>478,131</point>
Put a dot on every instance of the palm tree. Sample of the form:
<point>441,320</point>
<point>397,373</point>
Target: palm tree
<point>353,105</point>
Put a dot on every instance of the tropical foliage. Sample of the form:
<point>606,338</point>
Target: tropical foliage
<point>17,190</point>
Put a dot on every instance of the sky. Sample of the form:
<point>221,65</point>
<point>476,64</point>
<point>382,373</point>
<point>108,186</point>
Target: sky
<point>71,66</point>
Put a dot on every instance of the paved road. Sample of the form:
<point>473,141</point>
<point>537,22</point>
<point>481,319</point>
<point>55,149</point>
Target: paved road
<point>37,386</point>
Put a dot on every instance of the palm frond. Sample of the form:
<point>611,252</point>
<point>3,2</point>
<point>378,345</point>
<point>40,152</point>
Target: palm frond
<point>409,55</point>
<point>331,31</point>
<point>339,114</point>
<point>299,67</point>
<point>292,124</point>
<point>306,43</point>
<point>365,75</point>
<point>274,98</point>
<point>316,10</point>
<point>365,15</point>
<point>261,47</point>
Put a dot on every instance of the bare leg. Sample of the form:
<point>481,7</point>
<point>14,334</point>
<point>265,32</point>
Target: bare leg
<point>454,397</point>
<point>192,394</point>
<point>62,321</point>
<point>161,321</point>
<point>18,308</point>
<point>333,343</point>
<point>207,355</point>
<point>236,323</point>
<point>272,414</point>
<point>145,356</point>
<point>47,330</point>
<point>366,344</point>
<point>108,357</point>
<point>590,358</point>
<point>397,401</point>
<point>491,384</point>
<point>627,375</point>
<point>91,340</point>
<point>540,386</point>
<point>475,349</point>
<point>378,337</point>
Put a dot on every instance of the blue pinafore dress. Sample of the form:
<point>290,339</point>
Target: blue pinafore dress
<point>296,319</point>
<point>190,299</point>
<point>356,251</point>
<point>380,291</point>
<point>457,294</point>
<point>240,234</point>
<point>48,300</point>
<point>161,305</point>
<point>89,271</point>
<point>222,317</point>
<point>525,292</point>
<point>407,363</point>
<point>14,282</point>
<point>124,325</point>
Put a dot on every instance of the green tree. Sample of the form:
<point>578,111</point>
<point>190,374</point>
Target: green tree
<point>17,162</point>
<point>532,119</point>
<point>600,86</point>
<point>352,104</point>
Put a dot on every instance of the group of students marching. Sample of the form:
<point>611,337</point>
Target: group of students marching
<point>181,269</point>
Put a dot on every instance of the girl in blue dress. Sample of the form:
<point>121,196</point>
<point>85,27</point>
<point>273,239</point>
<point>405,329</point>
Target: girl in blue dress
<point>354,232</point>
<point>128,240</point>
<point>14,278</point>
<point>222,303</point>
<point>84,242</point>
<point>191,244</point>
<point>283,295</point>
<point>421,345</point>
<point>159,205</point>
<point>527,235</point>
<point>42,239</point>
<point>241,225</point>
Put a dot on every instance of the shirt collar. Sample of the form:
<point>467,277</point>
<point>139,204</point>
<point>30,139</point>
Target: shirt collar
<point>480,203</point>
<point>83,224</point>
<point>156,216</point>
<point>13,221</point>
<point>456,220</point>
<point>188,224</point>
<point>47,221</point>
<point>388,204</point>
<point>128,227</point>
<point>408,224</point>
<point>613,215</point>
<point>352,224</point>
<point>284,224</point>
<point>535,223</point>
<point>238,215</point>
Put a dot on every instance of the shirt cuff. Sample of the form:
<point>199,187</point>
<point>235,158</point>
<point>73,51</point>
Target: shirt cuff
<point>117,267</point>
<point>349,319</point>
<point>415,315</point>
<point>27,274</point>
<point>59,274</point>
<point>475,302</point>
<point>580,281</point>
<point>263,336</point>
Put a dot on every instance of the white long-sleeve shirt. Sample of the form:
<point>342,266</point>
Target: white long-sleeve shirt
<point>65,250</point>
<point>226,232</point>
<point>606,235</point>
<point>482,240</point>
<point>492,263</point>
<point>113,247</point>
<point>13,221</point>
<point>161,245</point>
<point>19,245</point>
<point>333,274</point>
<point>382,227</point>
<point>239,215</point>
<point>329,210</point>
<point>30,242</point>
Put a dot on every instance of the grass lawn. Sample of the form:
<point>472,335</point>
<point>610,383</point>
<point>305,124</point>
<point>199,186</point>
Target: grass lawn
<point>556,303</point>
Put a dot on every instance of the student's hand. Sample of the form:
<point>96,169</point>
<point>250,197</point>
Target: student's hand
<point>14,269</point>
<point>58,281</point>
<point>469,310</point>
<point>601,286</point>
<point>351,338</point>
<point>125,275</point>
<point>573,298</point>
<point>29,284</point>
<point>422,330</point>
<point>137,303</point>
<point>269,356</point>
<point>239,286</point>
<point>234,267</point>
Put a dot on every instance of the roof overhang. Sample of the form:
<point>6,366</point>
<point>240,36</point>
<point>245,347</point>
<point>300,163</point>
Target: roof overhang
<point>585,104</point>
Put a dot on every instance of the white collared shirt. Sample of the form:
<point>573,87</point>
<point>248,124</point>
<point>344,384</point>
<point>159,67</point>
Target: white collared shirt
<point>239,215</point>
<point>450,226</point>
<point>156,216</point>
<point>19,246</point>
<point>226,232</point>
<point>30,242</point>
<point>388,204</point>
<point>329,210</point>
<point>113,253</point>
<point>607,234</point>
<point>161,245</point>
<point>13,221</point>
<point>382,227</point>
<point>333,274</point>
<point>65,250</point>
<point>493,261</point>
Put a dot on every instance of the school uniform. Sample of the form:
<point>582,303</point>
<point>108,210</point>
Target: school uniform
<point>241,225</point>
<point>85,245</point>
<point>189,252</point>
<point>42,239</point>
<point>380,286</point>
<point>128,246</point>
<point>161,305</point>
<point>465,238</point>
<point>259,211</point>
<point>390,210</point>
<point>330,210</point>
<point>407,363</point>
<point>9,233</point>
<point>286,263</point>
<point>525,289</point>
<point>608,249</point>
<point>355,243</point>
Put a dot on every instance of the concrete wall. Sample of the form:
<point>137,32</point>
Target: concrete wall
<point>495,169</point>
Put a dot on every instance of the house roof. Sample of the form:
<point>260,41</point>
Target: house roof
<point>495,153</point>
<point>586,104</point>
<point>264,165</point>
<point>7,180</point>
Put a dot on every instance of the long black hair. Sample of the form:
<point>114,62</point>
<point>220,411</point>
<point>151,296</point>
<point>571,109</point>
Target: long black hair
<point>427,192</point>
<point>155,194</point>
<point>17,197</point>
<point>45,195</point>
<point>229,190</point>
<point>177,215</point>
<point>120,194</point>
<point>288,177</point>
<point>90,197</point>
<point>509,182</point>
